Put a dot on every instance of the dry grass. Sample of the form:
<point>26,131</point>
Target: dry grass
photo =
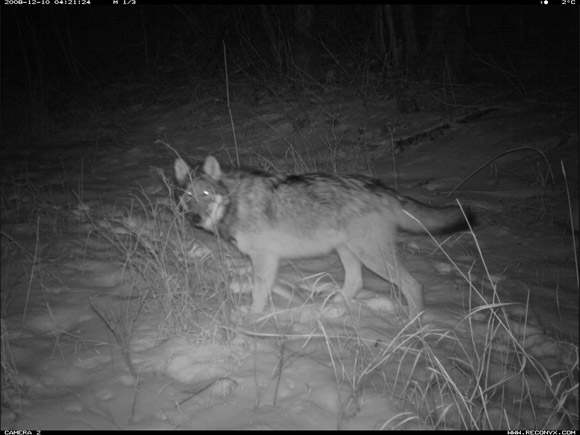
<point>484,372</point>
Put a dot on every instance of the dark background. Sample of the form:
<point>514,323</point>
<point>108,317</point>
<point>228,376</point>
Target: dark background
<point>57,61</point>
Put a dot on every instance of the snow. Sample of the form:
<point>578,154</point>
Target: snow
<point>116,317</point>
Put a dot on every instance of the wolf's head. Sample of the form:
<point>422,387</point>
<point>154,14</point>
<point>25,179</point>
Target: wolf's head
<point>201,197</point>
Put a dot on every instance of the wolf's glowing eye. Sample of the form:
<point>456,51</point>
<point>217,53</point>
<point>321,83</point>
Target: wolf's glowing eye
<point>205,193</point>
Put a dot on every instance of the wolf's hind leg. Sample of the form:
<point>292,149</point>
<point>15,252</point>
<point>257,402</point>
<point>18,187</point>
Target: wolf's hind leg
<point>352,274</point>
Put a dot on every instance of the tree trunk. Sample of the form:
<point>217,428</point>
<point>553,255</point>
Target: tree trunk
<point>305,53</point>
<point>395,52</point>
<point>410,38</point>
<point>272,36</point>
<point>447,40</point>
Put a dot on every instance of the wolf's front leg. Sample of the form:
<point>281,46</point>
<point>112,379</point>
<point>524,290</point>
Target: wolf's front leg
<point>265,267</point>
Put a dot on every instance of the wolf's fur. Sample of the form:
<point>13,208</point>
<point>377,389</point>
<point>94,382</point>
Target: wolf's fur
<point>271,217</point>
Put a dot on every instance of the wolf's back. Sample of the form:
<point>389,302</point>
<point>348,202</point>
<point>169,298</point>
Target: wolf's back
<point>434,219</point>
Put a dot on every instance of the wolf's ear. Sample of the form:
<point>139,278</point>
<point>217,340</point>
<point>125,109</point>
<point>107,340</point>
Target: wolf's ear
<point>211,168</point>
<point>182,171</point>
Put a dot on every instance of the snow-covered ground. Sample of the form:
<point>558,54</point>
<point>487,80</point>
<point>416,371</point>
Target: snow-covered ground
<point>117,315</point>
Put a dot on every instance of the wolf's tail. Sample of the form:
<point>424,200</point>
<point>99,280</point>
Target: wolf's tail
<point>435,220</point>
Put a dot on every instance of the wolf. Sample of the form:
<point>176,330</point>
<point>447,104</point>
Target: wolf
<point>270,217</point>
